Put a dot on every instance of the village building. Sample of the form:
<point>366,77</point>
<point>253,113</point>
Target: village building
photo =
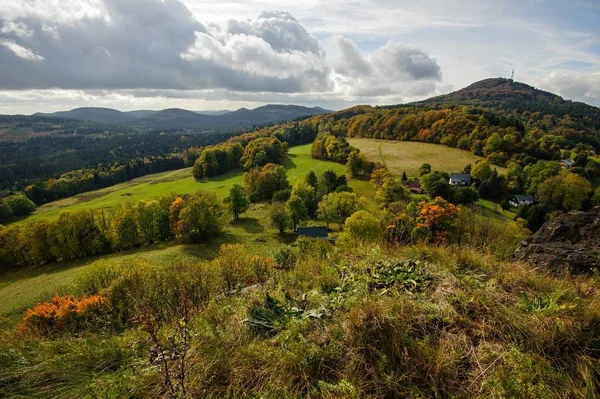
<point>521,200</point>
<point>460,179</point>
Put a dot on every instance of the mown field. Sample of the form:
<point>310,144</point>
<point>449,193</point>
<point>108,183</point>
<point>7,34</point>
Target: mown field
<point>298,164</point>
<point>408,156</point>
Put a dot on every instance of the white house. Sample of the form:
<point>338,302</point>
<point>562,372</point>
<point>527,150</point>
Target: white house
<point>460,179</point>
<point>521,200</point>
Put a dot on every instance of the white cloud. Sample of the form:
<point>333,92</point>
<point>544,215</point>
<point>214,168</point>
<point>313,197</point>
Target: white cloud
<point>20,51</point>
<point>17,28</point>
<point>157,53</point>
<point>584,87</point>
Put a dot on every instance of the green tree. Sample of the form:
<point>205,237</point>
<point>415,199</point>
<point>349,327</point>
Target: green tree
<point>392,190</point>
<point>262,151</point>
<point>19,205</point>
<point>536,174</point>
<point>162,215</point>
<point>207,165</point>
<point>577,190</point>
<point>125,228</point>
<point>312,180</point>
<point>566,191</point>
<point>237,201</point>
<point>297,211</point>
<point>280,219</point>
<point>307,194</point>
<point>494,187</point>
<point>337,207</point>
<point>404,177</point>
<point>145,219</point>
<point>379,176</point>
<point>424,169</point>
<point>328,182</point>
<point>436,185</point>
<point>5,212</point>
<point>262,183</point>
<point>76,234</point>
<point>596,197</point>
<point>357,164</point>
<point>202,217</point>
<point>482,170</point>
<point>38,242</point>
<point>515,178</point>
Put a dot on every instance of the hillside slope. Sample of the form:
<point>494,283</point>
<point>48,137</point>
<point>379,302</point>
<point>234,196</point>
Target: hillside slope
<point>508,95</point>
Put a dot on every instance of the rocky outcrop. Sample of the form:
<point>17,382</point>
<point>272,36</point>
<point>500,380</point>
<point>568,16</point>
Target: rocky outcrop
<point>569,242</point>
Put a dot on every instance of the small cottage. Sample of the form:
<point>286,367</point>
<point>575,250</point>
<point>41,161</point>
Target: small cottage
<point>566,163</point>
<point>460,179</point>
<point>521,200</point>
<point>414,186</point>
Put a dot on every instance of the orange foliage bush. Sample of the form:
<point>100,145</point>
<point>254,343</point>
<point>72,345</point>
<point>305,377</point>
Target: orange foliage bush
<point>64,314</point>
<point>437,217</point>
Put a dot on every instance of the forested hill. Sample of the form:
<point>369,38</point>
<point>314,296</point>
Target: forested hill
<point>100,115</point>
<point>175,118</point>
<point>507,95</point>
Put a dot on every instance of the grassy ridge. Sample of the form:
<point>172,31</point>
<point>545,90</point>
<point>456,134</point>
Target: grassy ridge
<point>408,156</point>
<point>297,165</point>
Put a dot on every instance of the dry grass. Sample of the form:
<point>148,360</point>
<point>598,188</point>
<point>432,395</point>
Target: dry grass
<point>408,156</point>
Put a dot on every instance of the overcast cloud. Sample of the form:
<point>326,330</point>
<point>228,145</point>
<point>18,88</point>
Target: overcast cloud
<point>136,54</point>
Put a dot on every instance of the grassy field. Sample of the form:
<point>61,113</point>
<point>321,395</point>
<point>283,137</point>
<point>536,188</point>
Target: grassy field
<point>21,289</point>
<point>408,156</point>
<point>298,164</point>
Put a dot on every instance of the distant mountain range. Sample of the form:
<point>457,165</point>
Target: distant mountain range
<point>176,118</point>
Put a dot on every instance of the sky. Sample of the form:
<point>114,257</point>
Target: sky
<point>220,54</point>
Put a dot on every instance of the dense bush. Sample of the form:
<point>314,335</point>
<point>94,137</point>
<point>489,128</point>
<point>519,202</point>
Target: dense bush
<point>66,314</point>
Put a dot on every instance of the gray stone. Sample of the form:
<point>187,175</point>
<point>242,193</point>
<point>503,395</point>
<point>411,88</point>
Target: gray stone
<point>570,242</point>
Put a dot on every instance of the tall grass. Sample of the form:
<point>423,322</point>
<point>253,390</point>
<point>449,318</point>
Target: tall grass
<point>475,327</point>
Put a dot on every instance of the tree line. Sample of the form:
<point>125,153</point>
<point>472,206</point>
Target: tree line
<point>198,217</point>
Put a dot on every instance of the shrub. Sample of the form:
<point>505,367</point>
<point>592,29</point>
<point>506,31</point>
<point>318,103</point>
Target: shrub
<point>286,257</point>
<point>65,314</point>
<point>399,230</point>
<point>237,268</point>
<point>363,227</point>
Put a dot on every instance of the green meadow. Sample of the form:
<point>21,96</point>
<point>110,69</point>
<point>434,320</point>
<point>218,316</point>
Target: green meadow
<point>297,165</point>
